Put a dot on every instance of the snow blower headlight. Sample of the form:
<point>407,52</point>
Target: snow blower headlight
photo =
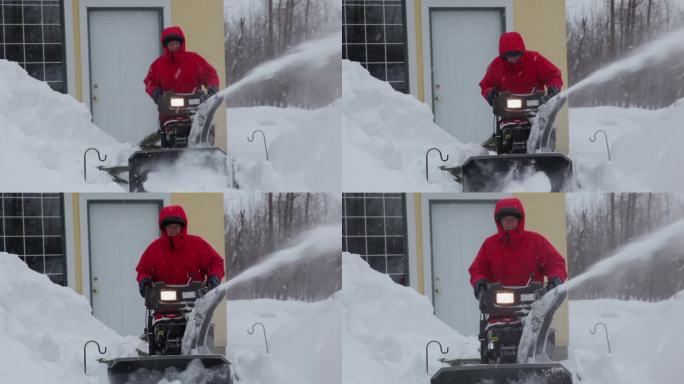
<point>168,295</point>
<point>514,103</point>
<point>505,298</point>
<point>177,102</point>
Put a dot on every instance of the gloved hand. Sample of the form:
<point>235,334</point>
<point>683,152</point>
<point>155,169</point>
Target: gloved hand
<point>551,92</point>
<point>491,96</point>
<point>156,95</point>
<point>211,91</point>
<point>144,286</point>
<point>480,287</point>
<point>213,282</point>
<point>553,283</point>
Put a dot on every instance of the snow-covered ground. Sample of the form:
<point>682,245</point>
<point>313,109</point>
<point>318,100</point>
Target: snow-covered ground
<point>43,327</point>
<point>304,340</point>
<point>646,344</point>
<point>386,327</point>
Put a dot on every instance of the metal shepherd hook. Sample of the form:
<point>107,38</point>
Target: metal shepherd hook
<point>426,160</point>
<point>593,139</point>
<point>263,327</point>
<point>605,327</point>
<point>84,353</point>
<point>250,139</point>
<point>441,350</point>
<point>99,157</point>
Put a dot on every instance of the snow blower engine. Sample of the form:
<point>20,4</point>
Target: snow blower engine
<point>167,309</point>
<point>501,327</point>
<point>518,154</point>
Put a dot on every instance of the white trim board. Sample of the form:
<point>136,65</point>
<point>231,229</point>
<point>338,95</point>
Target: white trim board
<point>426,199</point>
<point>83,200</point>
<point>425,8</point>
<point>84,6</point>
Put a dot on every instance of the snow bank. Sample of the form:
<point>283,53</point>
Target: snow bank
<point>43,327</point>
<point>644,147</point>
<point>386,327</point>
<point>303,145</point>
<point>305,341</point>
<point>385,136</point>
<point>646,346</point>
<point>44,134</point>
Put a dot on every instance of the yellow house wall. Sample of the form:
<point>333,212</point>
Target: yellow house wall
<point>542,25</point>
<point>205,33</point>
<point>205,218</point>
<point>545,214</point>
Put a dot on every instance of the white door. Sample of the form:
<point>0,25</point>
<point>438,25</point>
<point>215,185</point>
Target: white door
<point>119,233</point>
<point>123,44</point>
<point>458,230</point>
<point>464,42</point>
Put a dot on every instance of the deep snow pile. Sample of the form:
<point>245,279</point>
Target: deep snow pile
<point>646,345</point>
<point>385,136</point>
<point>644,147</point>
<point>43,327</point>
<point>44,134</point>
<point>304,339</point>
<point>386,327</point>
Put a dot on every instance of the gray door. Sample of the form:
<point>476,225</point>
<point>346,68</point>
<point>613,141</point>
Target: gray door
<point>464,42</point>
<point>123,44</point>
<point>119,233</point>
<point>458,230</point>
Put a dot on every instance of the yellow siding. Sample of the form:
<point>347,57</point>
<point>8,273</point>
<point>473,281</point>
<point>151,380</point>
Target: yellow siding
<point>545,214</point>
<point>76,60</point>
<point>205,218</point>
<point>76,222</point>
<point>542,25</point>
<point>419,50</point>
<point>420,258</point>
<point>205,33</point>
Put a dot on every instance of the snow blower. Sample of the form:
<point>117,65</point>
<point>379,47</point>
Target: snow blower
<point>524,139</point>
<point>167,309</point>
<point>177,139</point>
<point>503,313</point>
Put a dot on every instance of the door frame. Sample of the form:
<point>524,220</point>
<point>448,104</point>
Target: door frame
<point>84,201</point>
<point>419,37</point>
<point>85,6</point>
<point>427,200</point>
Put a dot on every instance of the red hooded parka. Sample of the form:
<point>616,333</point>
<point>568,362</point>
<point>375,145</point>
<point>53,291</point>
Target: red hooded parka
<point>175,260</point>
<point>181,71</point>
<point>531,72</point>
<point>510,257</point>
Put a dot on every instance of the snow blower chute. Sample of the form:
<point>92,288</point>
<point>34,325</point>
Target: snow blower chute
<point>167,309</point>
<point>512,351</point>
<point>524,139</point>
<point>178,139</point>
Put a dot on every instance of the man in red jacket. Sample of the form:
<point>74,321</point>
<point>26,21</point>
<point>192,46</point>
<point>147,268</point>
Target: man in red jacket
<point>518,70</point>
<point>513,255</point>
<point>177,257</point>
<point>178,70</point>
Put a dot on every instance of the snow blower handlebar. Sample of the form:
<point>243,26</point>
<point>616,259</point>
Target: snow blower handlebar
<point>163,298</point>
<point>181,104</point>
<point>500,300</point>
<point>510,105</point>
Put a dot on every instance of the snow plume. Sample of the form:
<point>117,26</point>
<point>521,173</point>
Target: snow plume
<point>43,327</point>
<point>385,328</point>
<point>44,134</point>
<point>657,51</point>
<point>385,135</point>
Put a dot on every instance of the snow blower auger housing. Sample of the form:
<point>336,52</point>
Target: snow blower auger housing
<point>167,308</point>
<point>522,147</point>
<point>176,113</point>
<point>502,310</point>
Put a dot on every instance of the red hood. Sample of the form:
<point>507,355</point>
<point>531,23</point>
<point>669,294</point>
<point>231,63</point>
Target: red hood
<point>511,41</point>
<point>174,211</point>
<point>510,203</point>
<point>172,31</point>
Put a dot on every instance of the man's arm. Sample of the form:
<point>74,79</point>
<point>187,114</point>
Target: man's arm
<point>144,267</point>
<point>152,82</point>
<point>211,262</point>
<point>488,83</point>
<point>553,263</point>
<point>207,73</point>
<point>479,269</point>
<point>549,74</point>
